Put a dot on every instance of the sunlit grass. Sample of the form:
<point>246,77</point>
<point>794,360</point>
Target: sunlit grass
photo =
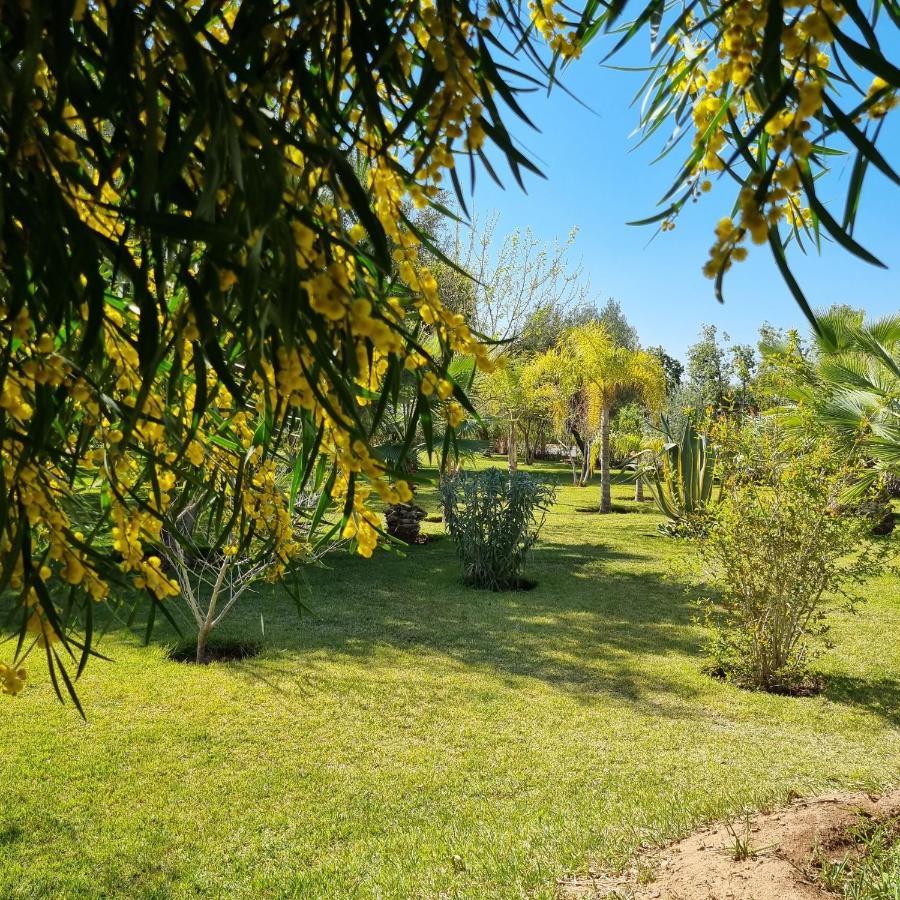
<point>414,738</point>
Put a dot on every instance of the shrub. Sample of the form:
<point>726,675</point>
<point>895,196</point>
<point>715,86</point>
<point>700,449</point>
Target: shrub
<point>494,518</point>
<point>783,556</point>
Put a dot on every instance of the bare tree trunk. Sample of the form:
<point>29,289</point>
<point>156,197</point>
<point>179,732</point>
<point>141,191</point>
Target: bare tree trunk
<point>209,621</point>
<point>202,635</point>
<point>605,492</point>
<point>585,448</point>
<point>639,489</point>
<point>511,448</point>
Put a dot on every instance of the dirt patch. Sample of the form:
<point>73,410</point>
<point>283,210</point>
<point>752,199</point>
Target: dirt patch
<point>770,856</point>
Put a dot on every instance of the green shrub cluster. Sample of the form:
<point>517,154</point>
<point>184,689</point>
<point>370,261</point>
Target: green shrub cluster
<point>494,518</point>
<point>782,553</point>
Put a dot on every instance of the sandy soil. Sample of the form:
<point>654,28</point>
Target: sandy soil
<point>783,848</point>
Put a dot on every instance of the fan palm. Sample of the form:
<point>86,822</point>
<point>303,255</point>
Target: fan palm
<point>853,389</point>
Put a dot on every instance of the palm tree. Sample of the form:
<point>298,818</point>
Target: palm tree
<point>605,372</point>
<point>853,389</point>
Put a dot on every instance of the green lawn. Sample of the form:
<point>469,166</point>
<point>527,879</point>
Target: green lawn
<point>414,738</point>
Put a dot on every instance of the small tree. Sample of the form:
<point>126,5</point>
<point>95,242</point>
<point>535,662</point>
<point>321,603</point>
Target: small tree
<point>517,396</point>
<point>218,553</point>
<point>631,445</point>
<point>783,557</point>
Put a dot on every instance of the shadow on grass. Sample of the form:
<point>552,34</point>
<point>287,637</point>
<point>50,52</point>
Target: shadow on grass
<point>588,628</point>
<point>10,835</point>
<point>878,695</point>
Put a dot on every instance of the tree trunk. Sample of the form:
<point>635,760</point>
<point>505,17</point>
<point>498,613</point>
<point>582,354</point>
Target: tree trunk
<point>639,489</point>
<point>605,493</point>
<point>511,448</point>
<point>207,626</point>
<point>584,446</point>
<point>202,635</point>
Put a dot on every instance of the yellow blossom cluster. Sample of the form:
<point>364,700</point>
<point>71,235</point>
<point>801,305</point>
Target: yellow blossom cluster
<point>552,26</point>
<point>722,69</point>
<point>122,394</point>
<point>12,679</point>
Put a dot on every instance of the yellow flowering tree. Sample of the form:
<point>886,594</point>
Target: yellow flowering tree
<point>766,92</point>
<point>184,239</point>
<point>181,219</point>
<point>238,519</point>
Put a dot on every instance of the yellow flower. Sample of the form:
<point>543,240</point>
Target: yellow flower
<point>11,680</point>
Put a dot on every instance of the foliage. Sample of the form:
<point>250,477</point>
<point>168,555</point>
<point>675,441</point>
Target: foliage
<point>672,367</point>
<point>515,277</point>
<point>852,389</point>
<point>404,432</point>
<point>217,554</point>
<point>518,398</point>
<point>603,372</point>
<point>871,870</point>
<point>620,330</point>
<point>784,364</point>
<point>682,478</point>
<point>709,370</point>
<point>766,94</point>
<point>494,518</point>
<point>628,432</point>
<point>781,556</point>
<point>186,237</point>
<point>182,219</point>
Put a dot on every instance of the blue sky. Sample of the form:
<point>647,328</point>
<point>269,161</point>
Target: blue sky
<point>597,181</point>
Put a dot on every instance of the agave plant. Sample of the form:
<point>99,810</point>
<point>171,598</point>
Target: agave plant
<point>682,478</point>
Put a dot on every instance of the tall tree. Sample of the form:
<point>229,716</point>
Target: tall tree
<point>515,276</point>
<point>709,370</point>
<point>620,330</point>
<point>744,364</point>
<point>605,372</point>
<point>672,367</point>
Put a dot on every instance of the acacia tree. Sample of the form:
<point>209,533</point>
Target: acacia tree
<point>261,535</point>
<point>604,372</point>
<point>182,227</point>
<point>177,200</point>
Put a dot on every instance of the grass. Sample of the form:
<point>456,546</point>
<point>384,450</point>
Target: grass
<point>872,870</point>
<point>414,738</point>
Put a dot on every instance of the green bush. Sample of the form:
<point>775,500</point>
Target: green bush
<point>782,556</point>
<point>494,518</point>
